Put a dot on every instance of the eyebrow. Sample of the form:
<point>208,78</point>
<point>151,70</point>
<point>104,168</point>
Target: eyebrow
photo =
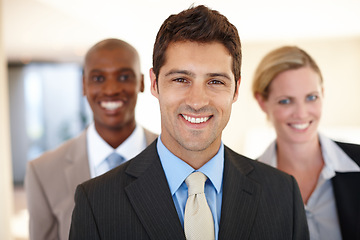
<point>191,74</point>
<point>185,72</point>
<point>116,70</point>
<point>292,97</point>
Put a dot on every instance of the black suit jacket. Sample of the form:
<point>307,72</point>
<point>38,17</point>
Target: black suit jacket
<point>347,195</point>
<point>134,201</point>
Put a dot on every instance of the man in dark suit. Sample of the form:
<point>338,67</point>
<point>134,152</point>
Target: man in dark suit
<point>196,78</point>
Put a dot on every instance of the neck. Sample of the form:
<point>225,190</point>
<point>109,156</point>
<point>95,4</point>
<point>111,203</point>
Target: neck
<point>304,161</point>
<point>195,158</point>
<point>115,136</point>
<point>299,156</point>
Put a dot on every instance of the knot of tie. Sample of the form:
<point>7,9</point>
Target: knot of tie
<point>195,182</point>
<point>114,160</point>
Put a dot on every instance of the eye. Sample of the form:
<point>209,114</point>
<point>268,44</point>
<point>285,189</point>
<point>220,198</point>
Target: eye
<point>284,101</point>
<point>215,81</point>
<point>98,78</point>
<point>311,98</point>
<point>180,80</point>
<point>123,77</point>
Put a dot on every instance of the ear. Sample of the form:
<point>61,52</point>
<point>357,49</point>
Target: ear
<point>142,85</point>
<point>236,94</point>
<point>154,85</point>
<point>261,101</point>
<point>83,85</point>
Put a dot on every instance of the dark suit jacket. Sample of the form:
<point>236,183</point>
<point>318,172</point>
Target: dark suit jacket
<point>347,195</point>
<point>134,201</point>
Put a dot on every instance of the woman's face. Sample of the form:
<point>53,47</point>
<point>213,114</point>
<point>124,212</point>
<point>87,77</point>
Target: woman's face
<point>294,104</point>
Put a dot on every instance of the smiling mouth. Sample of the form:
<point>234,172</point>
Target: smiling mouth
<point>111,105</point>
<point>195,120</point>
<point>301,126</point>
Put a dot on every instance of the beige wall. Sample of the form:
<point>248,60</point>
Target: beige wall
<point>339,60</point>
<point>6,193</point>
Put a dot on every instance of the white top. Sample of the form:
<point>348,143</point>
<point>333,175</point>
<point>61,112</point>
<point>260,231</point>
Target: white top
<point>321,207</point>
<point>98,149</point>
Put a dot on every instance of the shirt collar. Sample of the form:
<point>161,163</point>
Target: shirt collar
<point>335,159</point>
<point>134,144</point>
<point>176,170</point>
<point>99,149</point>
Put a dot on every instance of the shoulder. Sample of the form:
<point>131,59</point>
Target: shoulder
<point>254,168</point>
<point>274,185</point>
<point>150,136</point>
<point>352,150</point>
<point>124,174</point>
<point>52,157</point>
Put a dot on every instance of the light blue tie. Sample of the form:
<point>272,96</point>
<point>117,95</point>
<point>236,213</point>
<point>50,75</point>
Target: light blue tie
<point>114,160</point>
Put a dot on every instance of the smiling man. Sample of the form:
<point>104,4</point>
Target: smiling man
<point>188,184</point>
<point>111,82</point>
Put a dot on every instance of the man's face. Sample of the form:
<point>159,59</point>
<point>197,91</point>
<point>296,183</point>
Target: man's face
<point>196,89</point>
<point>111,82</point>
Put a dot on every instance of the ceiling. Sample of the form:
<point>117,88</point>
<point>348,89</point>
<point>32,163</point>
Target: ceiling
<point>62,30</point>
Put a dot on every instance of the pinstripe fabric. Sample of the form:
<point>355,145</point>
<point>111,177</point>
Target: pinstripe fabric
<point>133,201</point>
<point>261,202</point>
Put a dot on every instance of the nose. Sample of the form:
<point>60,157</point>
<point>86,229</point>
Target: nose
<point>300,110</point>
<point>197,96</point>
<point>111,86</point>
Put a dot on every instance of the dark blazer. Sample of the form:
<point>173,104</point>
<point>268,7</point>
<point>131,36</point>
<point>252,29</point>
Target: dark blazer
<point>133,201</point>
<point>347,195</point>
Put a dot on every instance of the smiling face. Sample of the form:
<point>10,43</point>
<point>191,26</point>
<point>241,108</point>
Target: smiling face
<point>111,83</point>
<point>294,105</point>
<point>196,89</point>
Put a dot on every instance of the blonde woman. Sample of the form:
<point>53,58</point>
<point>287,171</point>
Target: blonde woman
<point>288,87</point>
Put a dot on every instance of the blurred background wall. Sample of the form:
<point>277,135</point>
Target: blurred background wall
<point>44,42</point>
<point>338,58</point>
<point>6,201</point>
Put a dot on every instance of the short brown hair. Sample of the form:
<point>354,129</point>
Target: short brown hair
<point>278,61</point>
<point>197,24</point>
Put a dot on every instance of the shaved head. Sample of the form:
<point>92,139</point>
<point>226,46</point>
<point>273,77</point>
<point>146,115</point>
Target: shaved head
<point>111,44</point>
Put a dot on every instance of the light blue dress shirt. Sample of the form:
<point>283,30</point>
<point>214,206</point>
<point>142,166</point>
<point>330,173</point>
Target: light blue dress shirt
<point>177,171</point>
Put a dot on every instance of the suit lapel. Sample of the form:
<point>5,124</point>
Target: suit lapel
<point>241,197</point>
<point>77,170</point>
<point>347,197</point>
<point>150,197</point>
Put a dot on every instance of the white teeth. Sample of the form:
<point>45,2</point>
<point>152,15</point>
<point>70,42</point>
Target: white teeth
<point>195,120</point>
<point>111,105</point>
<point>300,126</point>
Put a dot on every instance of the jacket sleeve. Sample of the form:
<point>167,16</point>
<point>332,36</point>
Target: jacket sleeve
<point>83,224</point>
<point>301,230</point>
<point>42,223</point>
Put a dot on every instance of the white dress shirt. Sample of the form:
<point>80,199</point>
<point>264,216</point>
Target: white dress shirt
<point>321,207</point>
<point>98,149</point>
